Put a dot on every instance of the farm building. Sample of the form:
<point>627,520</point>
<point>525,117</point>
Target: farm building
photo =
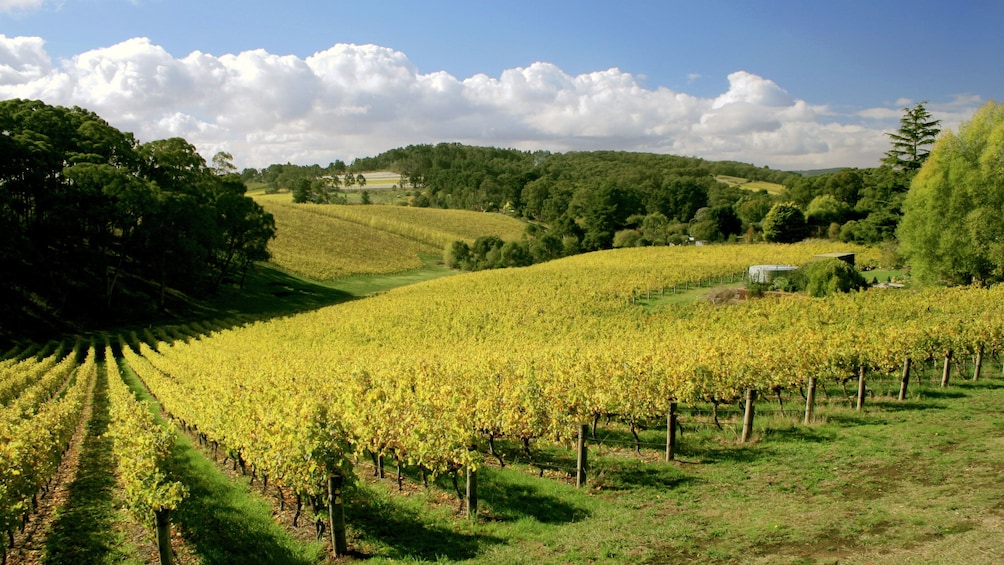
<point>767,273</point>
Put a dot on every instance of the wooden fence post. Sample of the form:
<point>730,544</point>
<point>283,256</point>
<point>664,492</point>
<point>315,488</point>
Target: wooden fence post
<point>810,400</point>
<point>336,515</point>
<point>472,493</point>
<point>861,387</point>
<point>906,378</point>
<point>947,371</point>
<point>163,517</point>
<point>748,415</point>
<point>581,462</point>
<point>671,432</point>
<point>979,363</point>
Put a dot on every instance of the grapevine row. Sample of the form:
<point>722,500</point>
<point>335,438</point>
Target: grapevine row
<point>141,447</point>
<point>35,431</point>
<point>423,373</point>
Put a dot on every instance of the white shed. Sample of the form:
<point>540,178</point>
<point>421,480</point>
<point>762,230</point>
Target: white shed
<point>767,273</point>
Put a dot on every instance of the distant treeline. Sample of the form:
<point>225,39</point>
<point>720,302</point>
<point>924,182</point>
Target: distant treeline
<point>99,228</point>
<point>602,199</point>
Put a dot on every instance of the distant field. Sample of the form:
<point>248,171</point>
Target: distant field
<point>327,242</point>
<point>755,185</point>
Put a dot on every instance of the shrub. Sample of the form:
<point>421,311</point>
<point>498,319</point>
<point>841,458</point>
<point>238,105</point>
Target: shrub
<point>829,276</point>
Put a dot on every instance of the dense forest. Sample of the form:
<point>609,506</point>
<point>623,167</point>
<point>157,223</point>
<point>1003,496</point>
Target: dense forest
<point>98,227</point>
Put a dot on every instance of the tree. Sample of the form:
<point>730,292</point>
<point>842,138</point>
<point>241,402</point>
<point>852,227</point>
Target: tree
<point>917,129</point>
<point>830,276</point>
<point>223,163</point>
<point>952,228</point>
<point>785,223</point>
<point>825,210</point>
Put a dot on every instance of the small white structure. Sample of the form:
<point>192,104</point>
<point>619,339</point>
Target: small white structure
<point>766,273</point>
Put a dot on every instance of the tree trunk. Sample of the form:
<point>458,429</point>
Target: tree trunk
<point>336,515</point>
<point>810,400</point>
<point>906,378</point>
<point>581,460</point>
<point>748,415</point>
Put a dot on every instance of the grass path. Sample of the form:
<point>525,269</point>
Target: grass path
<point>89,527</point>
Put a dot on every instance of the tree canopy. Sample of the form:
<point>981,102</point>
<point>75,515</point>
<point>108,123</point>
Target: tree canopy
<point>917,131</point>
<point>954,213</point>
<point>96,224</point>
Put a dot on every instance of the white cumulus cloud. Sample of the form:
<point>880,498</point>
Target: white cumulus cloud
<point>357,100</point>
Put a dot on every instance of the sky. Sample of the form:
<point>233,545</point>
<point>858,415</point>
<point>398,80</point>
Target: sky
<point>789,84</point>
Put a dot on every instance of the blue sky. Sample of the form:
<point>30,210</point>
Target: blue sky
<point>790,84</point>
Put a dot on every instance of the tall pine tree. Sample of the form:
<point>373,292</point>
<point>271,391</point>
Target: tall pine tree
<point>917,130</point>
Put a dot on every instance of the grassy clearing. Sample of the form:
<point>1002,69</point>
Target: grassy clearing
<point>772,188</point>
<point>917,481</point>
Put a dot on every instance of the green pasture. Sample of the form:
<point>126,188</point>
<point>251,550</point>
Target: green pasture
<point>756,185</point>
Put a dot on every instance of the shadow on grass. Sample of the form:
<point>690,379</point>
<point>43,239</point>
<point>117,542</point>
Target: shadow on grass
<point>406,534</point>
<point>907,406</point>
<point>857,419</point>
<point>798,434</point>
<point>627,474</point>
<point>222,522</point>
<point>80,533</point>
<point>717,452</point>
<point>514,496</point>
<point>940,393</point>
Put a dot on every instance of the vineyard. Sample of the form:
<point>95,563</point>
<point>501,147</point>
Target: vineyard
<point>478,374</point>
<point>325,242</point>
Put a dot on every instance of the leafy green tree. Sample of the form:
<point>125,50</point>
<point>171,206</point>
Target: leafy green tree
<point>223,163</point>
<point>627,238</point>
<point>364,197</point>
<point>545,247</point>
<point>917,130</point>
<point>830,276</point>
<point>785,223</point>
<point>953,227</point>
<point>515,254</point>
<point>825,210</point>
<point>457,255</point>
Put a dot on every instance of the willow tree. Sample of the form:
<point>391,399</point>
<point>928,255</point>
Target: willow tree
<point>953,226</point>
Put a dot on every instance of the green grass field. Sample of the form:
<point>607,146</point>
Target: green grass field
<point>756,185</point>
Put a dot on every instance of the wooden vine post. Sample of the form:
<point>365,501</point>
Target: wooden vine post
<point>472,493</point>
<point>336,515</point>
<point>810,400</point>
<point>861,387</point>
<point>163,517</point>
<point>979,363</point>
<point>671,432</point>
<point>748,415</point>
<point>581,462</point>
<point>906,378</point>
<point>947,371</point>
